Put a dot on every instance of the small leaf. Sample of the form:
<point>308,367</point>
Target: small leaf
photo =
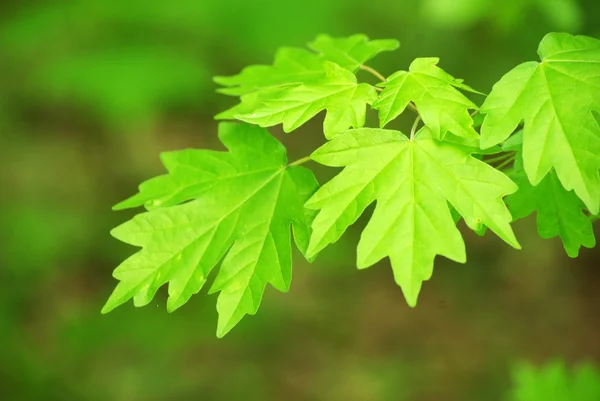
<point>412,182</point>
<point>238,205</point>
<point>351,52</point>
<point>300,84</point>
<point>441,106</point>
<point>344,99</point>
<point>556,99</point>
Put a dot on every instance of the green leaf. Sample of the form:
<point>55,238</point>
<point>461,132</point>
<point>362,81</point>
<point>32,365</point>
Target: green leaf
<point>412,182</point>
<point>554,382</point>
<point>559,212</point>
<point>240,206</point>
<point>351,52</point>
<point>301,84</point>
<point>344,99</point>
<point>441,106</point>
<point>555,98</point>
<point>291,66</point>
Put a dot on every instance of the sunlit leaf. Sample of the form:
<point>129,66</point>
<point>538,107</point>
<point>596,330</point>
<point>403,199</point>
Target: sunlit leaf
<point>339,93</point>
<point>412,182</point>
<point>240,207</point>
<point>556,99</point>
<point>434,92</point>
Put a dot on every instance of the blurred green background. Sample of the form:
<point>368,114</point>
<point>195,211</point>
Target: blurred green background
<point>91,91</point>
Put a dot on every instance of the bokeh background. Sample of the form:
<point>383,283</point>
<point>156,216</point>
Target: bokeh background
<point>91,91</point>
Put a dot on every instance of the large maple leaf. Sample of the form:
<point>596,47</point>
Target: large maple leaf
<point>412,182</point>
<point>239,206</point>
<point>556,98</point>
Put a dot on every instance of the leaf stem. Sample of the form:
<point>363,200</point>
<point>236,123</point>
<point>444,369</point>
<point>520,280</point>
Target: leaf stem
<point>502,157</point>
<point>373,72</point>
<point>505,163</point>
<point>414,127</point>
<point>300,161</point>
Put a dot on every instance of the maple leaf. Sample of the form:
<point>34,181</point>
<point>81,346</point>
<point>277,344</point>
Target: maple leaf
<point>351,52</point>
<point>300,84</point>
<point>291,66</point>
<point>556,99</point>
<point>339,93</point>
<point>240,206</point>
<point>559,212</point>
<point>441,106</point>
<point>412,182</point>
<point>554,382</point>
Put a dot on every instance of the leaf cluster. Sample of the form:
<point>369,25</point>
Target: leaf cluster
<point>535,147</point>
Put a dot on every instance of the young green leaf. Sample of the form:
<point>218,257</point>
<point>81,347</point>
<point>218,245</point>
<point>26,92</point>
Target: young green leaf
<point>441,106</point>
<point>291,66</point>
<point>559,212</point>
<point>412,182</point>
<point>555,98</point>
<point>300,84</point>
<point>554,382</point>
<point>244,202</point>
<point>351,52</point>
<point>344,99</point>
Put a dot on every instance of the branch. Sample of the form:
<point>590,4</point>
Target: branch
<point>373,72</point>
<point>499,158</point>
<point>505,163</point>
